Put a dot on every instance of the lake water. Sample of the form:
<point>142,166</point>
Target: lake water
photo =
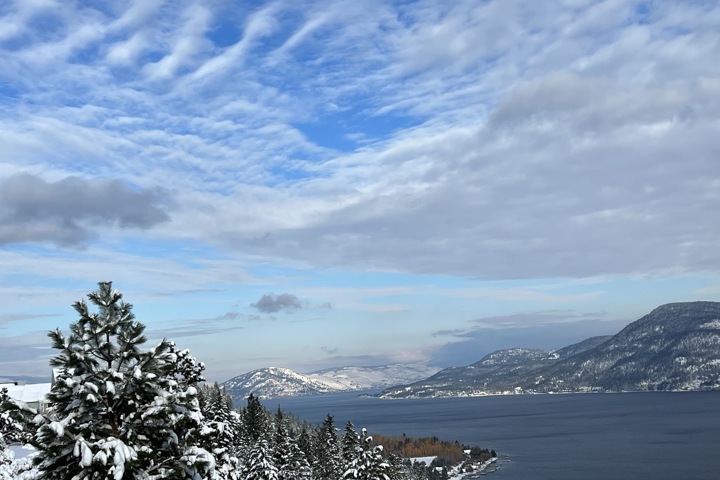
<point>575,436</point>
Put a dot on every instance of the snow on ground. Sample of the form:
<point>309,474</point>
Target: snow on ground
<point>477,468</point>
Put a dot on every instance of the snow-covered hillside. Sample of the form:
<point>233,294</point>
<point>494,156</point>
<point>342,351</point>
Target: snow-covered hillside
<point>273,382</point>
<point>675,347</point>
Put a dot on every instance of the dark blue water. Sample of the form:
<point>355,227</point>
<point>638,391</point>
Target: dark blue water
<point>655,436</point>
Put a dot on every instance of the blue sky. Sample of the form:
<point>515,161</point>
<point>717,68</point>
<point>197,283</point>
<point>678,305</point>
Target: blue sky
<point>318,184</point>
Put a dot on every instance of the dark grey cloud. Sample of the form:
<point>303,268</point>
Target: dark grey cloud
<point>70,211</point>
<point>272,303</point>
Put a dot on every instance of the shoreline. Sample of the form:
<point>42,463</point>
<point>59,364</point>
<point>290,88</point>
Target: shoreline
<point>478,469</point>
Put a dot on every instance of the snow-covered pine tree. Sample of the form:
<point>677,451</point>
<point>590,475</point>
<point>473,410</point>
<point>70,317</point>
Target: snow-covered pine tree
<point>119,412</point>
<point>327,463</point>
<point>7,428</point>
<point>260,465</point>
<point>222,429</point>
<point>15,427</point>
<point>15,420</point>
<point>305,442</point>
<point>287,455</point>
<point>255,420</point>
<point>369,463</point>
<point>350,445</point>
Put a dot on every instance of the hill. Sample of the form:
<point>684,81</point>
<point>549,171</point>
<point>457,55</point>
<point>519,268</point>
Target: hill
<point>274,382</point>
<point>675,347</point>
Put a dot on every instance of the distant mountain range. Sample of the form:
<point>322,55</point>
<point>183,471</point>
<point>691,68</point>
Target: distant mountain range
<point>274,382</point>
<point>676,347</point>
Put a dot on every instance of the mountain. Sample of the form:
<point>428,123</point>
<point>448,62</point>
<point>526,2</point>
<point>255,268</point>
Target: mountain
<point>674,347</point>
<point>273,382</point>
<point>373,378</point>
<point>495,373</point>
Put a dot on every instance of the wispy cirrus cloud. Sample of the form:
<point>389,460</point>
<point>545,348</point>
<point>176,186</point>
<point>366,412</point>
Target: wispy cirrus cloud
<point>499,141</point>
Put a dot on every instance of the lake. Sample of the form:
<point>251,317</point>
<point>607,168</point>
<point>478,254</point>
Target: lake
<point>654,435</point>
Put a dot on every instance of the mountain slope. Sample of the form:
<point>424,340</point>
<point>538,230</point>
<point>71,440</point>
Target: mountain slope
<point>282,382</point>
<point>495,373</point>
<point>372,378</point>
<point>274,382</point>
<point>674,347</point>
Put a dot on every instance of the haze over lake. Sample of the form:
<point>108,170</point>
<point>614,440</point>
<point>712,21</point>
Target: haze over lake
<point>575,436</point>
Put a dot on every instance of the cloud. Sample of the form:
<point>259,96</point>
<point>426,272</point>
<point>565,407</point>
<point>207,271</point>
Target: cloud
<point>18,317</point>
<point>189,42</point>
<point>67,212</point>
<point>272,303</point>
<point>546,330</point>
<point>542,318</point>
<point>230,316</point>
<point>25,354</point>
<point>710,291</point>
<point>192,329</point>
<point>500,139</point>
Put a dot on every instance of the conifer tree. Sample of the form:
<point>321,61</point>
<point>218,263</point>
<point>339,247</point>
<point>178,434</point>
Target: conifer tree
<point>350,445</point>
<point>327,465</point>
<point>289,458</point>
<point>369,463</point>
<point>305,442</point>
<point>15,420</point>
<point>120,412</point>
<point>260,465</point>
<point>222,427</point>
<point>255,420</point>
<point>396,469</point>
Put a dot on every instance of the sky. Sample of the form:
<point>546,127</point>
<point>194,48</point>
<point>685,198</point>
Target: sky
<point>315,184</point>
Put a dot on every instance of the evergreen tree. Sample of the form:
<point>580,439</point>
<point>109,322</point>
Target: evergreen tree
<point>396,468</point>
<point>255,420</point>
<point>260,465</point>
<point>222,429</point>
<point>305,442</point>
<point>15,420</point>
<point>350,445</point>
<point>327,464</point>
<point>120,412</point>
<point>369,463</point>
<point>289,458</point>
<point>13,428</point>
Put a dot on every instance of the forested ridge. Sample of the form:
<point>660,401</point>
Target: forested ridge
<point>120,412</point>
